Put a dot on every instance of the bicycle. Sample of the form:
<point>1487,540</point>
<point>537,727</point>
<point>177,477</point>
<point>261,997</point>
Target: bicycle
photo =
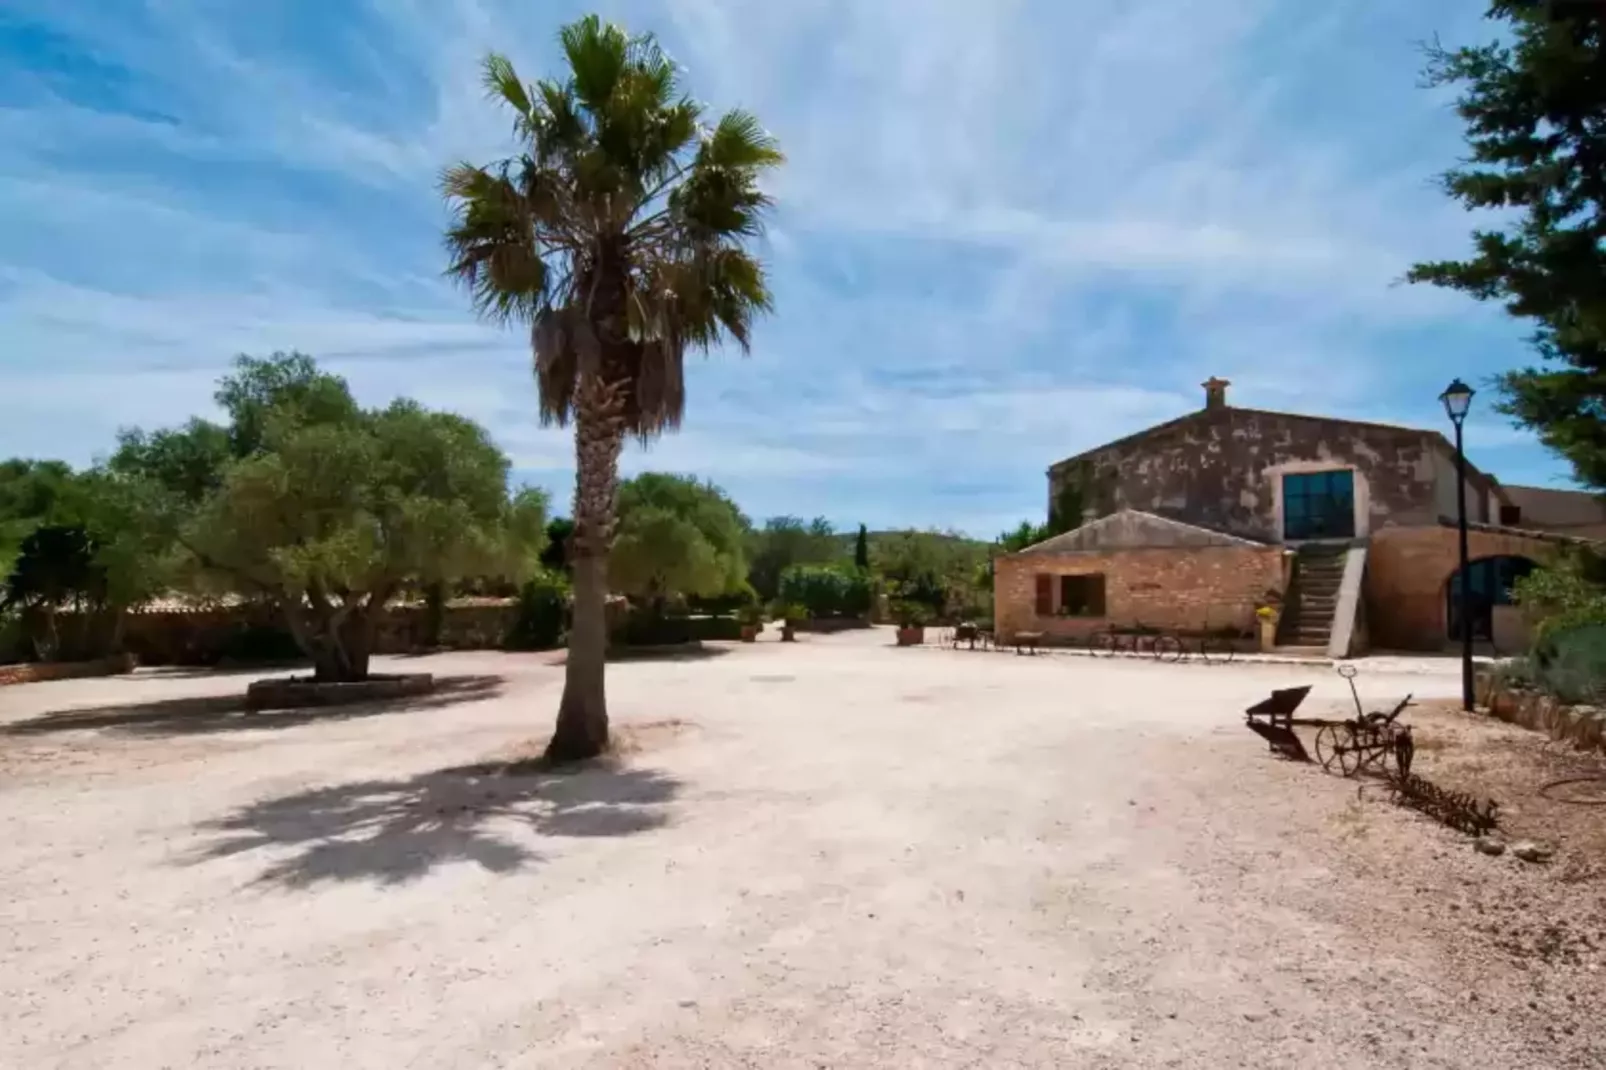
<point>1139,640</point>
<point>1218,649</point>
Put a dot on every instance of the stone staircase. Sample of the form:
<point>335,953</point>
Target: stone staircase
<point>1312,600</point>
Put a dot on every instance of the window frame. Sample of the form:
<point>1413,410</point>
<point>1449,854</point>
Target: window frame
<point>1093,604</point>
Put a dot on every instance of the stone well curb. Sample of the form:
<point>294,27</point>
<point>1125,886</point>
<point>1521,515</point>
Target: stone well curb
<point>284,694</point>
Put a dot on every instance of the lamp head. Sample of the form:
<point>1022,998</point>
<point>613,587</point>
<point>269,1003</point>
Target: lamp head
<point>1457,398</point>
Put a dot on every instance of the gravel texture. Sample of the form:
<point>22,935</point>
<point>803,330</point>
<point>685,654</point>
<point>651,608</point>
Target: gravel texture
<point>831,853</point>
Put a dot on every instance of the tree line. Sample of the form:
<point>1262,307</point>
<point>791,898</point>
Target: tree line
<point>302,499</point>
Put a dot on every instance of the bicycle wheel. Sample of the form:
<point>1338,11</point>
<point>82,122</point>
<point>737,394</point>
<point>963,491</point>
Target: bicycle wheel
<point>1216,650</point>
<point>1104,644</point>
<point>1166,648</point>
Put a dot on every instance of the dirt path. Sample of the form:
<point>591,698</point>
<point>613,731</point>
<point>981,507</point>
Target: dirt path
<point>836,854</point>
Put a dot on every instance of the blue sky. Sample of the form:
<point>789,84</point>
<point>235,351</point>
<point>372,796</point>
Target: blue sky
<point>1008,231</point>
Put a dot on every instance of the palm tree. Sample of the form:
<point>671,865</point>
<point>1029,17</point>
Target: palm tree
<point>618,233</point>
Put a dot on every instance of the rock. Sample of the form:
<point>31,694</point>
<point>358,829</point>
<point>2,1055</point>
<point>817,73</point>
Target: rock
<point>1489,845</point>
<point>1529,851</point>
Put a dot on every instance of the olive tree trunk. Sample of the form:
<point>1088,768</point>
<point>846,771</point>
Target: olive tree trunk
<point>582,728</point>
<point>339,640</point>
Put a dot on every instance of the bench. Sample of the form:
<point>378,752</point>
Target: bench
<point>1026,642</point>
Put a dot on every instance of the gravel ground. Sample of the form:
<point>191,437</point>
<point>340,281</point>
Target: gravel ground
<point>833,854</point>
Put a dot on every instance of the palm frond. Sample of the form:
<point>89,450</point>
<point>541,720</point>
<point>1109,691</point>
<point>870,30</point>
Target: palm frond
<point>502,83</point>
<point>739,141</point>
<point>598,54</point>
<point>492,244</point>
<point>556,365</point>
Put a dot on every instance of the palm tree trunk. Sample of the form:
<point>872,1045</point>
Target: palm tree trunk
<point>582,728</point>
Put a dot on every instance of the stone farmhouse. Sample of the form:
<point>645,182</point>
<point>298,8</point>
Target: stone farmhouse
<point>1349,528</point>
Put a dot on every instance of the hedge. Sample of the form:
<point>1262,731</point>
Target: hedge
<point>827,590</point>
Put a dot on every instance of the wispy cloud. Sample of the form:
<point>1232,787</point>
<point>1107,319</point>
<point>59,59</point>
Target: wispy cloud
<point>1007,231</point>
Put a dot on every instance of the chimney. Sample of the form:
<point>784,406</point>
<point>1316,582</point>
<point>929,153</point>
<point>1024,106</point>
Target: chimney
<point>1215,392</point>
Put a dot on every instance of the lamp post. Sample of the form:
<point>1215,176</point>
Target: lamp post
<point>1457,398</point>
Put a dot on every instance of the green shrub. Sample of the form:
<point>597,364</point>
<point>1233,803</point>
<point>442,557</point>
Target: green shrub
<point>1566,594</point>
<point>716,629</point>
<point>12,644</point>
<point>911,614</point>
<point>641,627</point>
<point>724,605</point>
<point>543,615</point>
<point>827,591</point>
<point>1571,664</point>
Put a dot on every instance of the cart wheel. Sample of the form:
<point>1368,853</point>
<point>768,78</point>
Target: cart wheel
<point>1335,746</point>
<point>1105,644</point>
<point>1350,754</point>
<point>1167,648</point>
<point>1327,746</point>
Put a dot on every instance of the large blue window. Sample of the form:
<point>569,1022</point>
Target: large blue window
<point>1319,505</point>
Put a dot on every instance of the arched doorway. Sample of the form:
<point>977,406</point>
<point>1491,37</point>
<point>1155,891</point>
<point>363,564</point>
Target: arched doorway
<point>1491,581</point>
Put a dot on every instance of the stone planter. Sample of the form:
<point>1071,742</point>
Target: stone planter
<point>1268,633</point>
<point>750,632</point>
<point>788,633</point>
<point>293,693</point>
<point>913,636</point>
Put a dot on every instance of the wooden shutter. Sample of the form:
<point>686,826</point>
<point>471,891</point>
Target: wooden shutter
<point>1045,595</point>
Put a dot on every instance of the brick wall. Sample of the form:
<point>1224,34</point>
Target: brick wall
<point>1406,572</point>
<point>1184,590</point>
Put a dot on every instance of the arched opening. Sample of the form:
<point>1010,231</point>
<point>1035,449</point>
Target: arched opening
<point>1490,580</point>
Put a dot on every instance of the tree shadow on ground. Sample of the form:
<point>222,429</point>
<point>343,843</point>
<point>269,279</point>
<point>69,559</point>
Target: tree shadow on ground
<point>227,713</point>
<point>394,831</point>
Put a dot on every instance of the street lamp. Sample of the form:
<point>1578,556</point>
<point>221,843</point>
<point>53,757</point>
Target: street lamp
<point>1457,398</point>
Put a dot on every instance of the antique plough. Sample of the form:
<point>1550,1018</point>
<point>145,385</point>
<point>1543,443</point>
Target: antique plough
<point>1347,746</point>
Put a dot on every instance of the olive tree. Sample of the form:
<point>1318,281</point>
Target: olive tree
<point>328,510</point>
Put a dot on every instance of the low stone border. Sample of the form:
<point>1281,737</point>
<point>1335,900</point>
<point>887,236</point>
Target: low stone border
<point>295,693</point>
<point>656,650</point>
<point>828,625</point>
<point>1583,726</point>
<point>35,672</point>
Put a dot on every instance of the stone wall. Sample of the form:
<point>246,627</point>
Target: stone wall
<point>1406,573</point>
<point>249,633</point>
<point>1583,726</point>
<point>1222,469</point>
<point>1190,590</point>
<point>39,672</point>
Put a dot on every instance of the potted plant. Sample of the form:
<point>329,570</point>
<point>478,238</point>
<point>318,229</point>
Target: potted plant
<point>1266,617</point>
<point>911,618</point>
<point>790,614</point>
<point>752,621</point>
